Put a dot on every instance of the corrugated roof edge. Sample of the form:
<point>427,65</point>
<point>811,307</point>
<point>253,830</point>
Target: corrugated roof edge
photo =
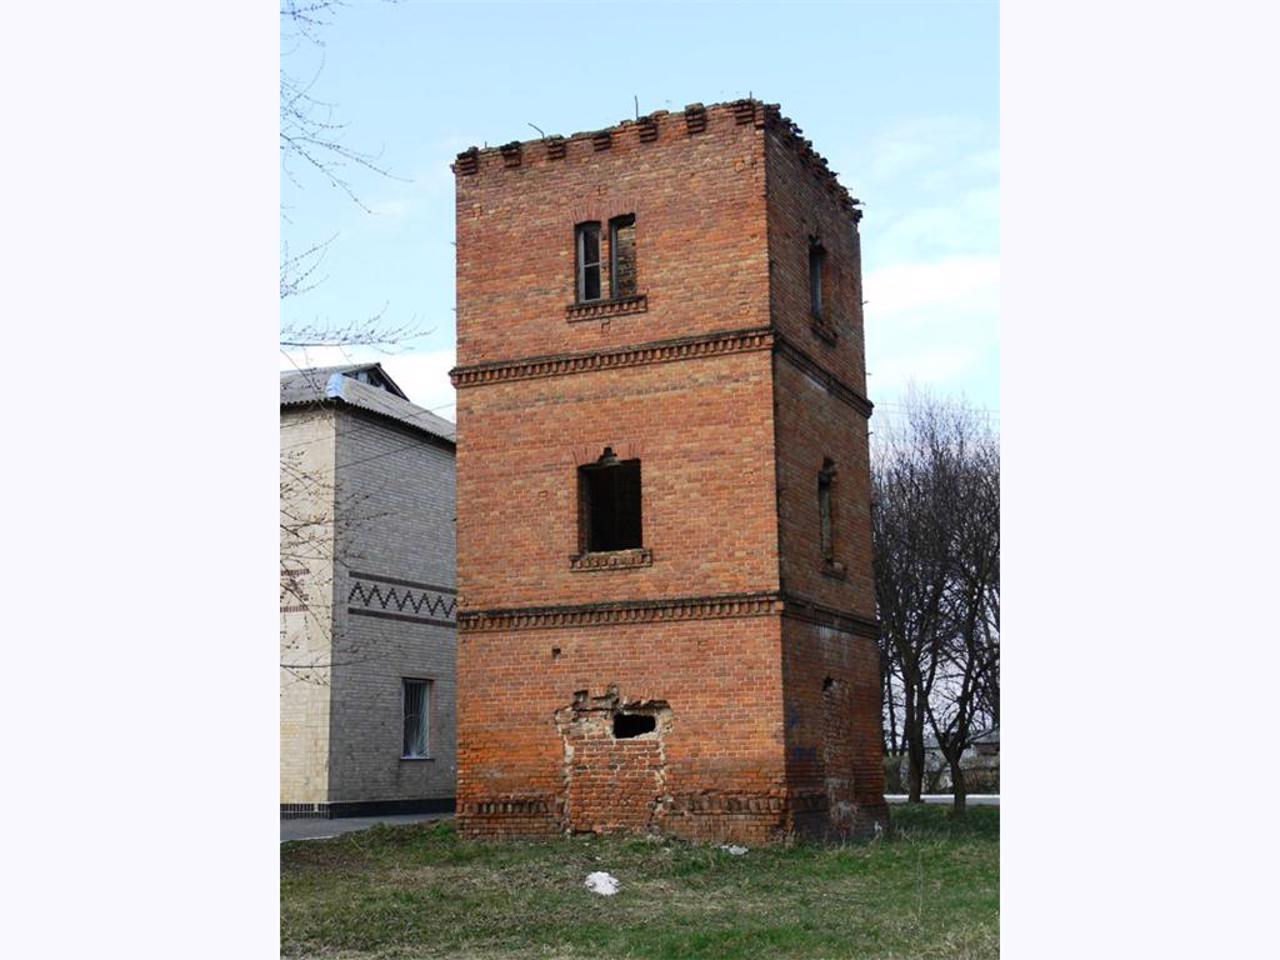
<point>321,390</point>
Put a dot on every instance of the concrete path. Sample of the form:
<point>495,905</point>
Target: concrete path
<point>324,829</point>
<point>974,799</point>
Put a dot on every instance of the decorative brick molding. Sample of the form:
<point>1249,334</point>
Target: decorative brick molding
<point>806,364</point>
<point>604,309</point>
<point>824,330</point>
<point>515,806</point>
<point>611,560</point>
<point>468,162</point>
<point>835,570</point>
<point>695,118</point>
<point>802,608</point>
<point>391,598</point>
<point>727,803</point>
<point>626,611</point>
<point>660,351</point>
<point>511,154</point>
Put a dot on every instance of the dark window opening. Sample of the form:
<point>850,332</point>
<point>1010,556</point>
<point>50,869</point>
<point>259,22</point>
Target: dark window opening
<point>610,492</point>
<point>628,725</point>
<point>817,264</point>
<point>588,240</point>
<point>622,256</point>
<point>825,476</point>
<point>826,684</point>
<point>417,712</point>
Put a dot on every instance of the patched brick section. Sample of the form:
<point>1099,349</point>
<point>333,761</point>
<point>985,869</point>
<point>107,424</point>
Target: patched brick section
<point>613,782</point>
<point>721,619</point>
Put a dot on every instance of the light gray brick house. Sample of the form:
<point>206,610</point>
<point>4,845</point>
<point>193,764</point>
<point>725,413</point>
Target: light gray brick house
<point>368,597</point>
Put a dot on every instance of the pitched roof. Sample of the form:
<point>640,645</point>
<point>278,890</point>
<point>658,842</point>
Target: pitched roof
<point>339,385</point>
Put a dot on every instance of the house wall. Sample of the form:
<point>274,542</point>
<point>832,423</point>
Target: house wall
<point>306,608</point>
<point>396,609</point>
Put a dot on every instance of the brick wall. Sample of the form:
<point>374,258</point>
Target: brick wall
<point>306,552</point>
<point>712,378</point>
<point>396,547</point>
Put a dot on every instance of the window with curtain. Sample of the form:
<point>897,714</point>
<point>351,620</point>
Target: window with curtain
<point>417,712</point>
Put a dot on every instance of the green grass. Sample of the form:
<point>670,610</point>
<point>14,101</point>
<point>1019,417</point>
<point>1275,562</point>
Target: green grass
<point>419,891</point>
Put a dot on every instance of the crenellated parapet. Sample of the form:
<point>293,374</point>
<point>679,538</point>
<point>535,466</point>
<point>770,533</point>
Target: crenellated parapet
<point>654,130</point>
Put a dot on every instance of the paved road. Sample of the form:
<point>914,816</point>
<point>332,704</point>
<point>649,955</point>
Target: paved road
<point>323,829</point>
<point>974,799</point>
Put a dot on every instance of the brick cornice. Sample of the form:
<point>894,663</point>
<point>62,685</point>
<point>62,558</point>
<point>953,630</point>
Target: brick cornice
<point>719,607</point>
<point>802,608</point>
<point>621,612</point>
<point>658,351</point>
<point>806,364</point>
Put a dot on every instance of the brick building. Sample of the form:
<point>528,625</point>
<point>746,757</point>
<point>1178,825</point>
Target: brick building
<point>368,597</point>
<point>667,616</point>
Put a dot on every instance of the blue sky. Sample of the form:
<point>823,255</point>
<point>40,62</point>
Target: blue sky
<point>902,98</point>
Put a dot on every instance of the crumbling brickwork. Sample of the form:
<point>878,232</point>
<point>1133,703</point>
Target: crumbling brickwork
<point>733,627</point>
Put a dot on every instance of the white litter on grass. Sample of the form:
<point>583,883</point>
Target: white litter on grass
<point>736,850</point>
<point>602,883</point>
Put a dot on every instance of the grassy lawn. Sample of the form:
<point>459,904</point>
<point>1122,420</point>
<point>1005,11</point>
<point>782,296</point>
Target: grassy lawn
<point>418,891</point>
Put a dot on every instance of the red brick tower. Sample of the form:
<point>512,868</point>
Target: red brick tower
<point>667,615</point>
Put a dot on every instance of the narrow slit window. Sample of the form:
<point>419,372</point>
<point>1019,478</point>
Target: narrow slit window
<point>825,476</point>
<point>622,256</point>
<point>588,261</point>
<point>610,498</point>
<point>417,712</point>
<point>817,265</point>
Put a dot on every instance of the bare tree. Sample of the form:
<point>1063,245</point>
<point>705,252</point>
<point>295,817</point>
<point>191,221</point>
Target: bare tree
<point>935,513</point>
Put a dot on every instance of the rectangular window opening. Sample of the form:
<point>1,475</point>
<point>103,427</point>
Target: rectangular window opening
<point>622,256</point>
<point>417,709</point>
<point>610,492</point>
<point>628,725</point>
<point>588,240</point>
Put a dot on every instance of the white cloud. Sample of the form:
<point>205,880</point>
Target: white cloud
<point>972,283</point>
<point>935,323</point>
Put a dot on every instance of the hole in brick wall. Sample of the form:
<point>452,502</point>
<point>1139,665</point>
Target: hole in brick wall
<point>555,653</point>
<point>826,684</point>
<point>628,725</point>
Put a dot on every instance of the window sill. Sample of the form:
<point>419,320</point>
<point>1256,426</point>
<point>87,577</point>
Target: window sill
<point>824,330</point>
<point>603,309</point>
<point>611,560</point>
<point>417,759</point>
<point>835,570</point>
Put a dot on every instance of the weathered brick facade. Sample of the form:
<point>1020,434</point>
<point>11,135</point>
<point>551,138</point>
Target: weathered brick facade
<point>737,634</point>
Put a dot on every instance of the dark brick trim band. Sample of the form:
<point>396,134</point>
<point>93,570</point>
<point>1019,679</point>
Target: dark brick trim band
<point>384,615</point>
<point>623,611</point>
<point>807,365</point>
<point>810,611</point>
<point>439,603</point>
<point>659,351</point>
<point>364,808</point>
<point>402,582</point>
